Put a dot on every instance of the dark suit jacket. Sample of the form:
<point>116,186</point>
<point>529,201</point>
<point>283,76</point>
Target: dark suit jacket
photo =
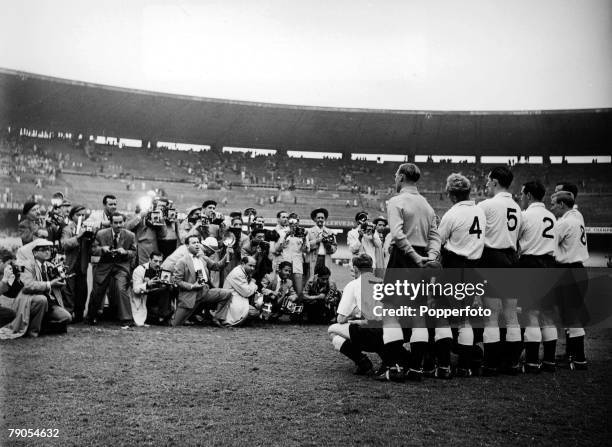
<point>76,250</point>
<point>126,240</point>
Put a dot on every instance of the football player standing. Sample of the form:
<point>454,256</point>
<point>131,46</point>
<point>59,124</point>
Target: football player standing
<point>462,235</point>
<point>536,250</point>
<point>571,252</point>
<point>503,220</point>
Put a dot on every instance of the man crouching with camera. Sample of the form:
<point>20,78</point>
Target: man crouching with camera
<point>40,300</point>
<point>151,298</point>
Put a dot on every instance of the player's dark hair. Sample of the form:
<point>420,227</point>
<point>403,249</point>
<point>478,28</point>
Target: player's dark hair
<point>278,215</point>
<point>503,175</point>
<point>108,197</point>
<point>284,264</point>
<point>569,187</point>
<point>155,253</point>
<point>362,262</point>
<point>535,188</point>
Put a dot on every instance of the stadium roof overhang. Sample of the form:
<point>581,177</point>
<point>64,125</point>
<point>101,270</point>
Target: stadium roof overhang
<point>39,102</point>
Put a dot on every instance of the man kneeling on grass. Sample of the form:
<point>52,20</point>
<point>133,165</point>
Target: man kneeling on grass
<point>39,303</point>
<point>351,323</point>
<point>279,295</point>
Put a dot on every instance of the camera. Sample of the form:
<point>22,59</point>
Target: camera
<point>156,217</point>
<point>18,269</point>
<point>165,276</point>
<point>298,232</point>
<point>17,285</point>
<point>57,270</point>
<point>171,214</point>
<point>199,277</point>
<point>218,218</point>
<point>265,245</point>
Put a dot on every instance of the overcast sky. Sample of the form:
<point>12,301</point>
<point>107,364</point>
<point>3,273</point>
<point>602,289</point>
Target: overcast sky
<point>395,54</point>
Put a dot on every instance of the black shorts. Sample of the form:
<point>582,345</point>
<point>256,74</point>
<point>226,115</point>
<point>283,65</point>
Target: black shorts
<point>498,258</point>
<point>536,261</point>
<point>370,339</point>
<point>570,295</point>
<point>451,260</point>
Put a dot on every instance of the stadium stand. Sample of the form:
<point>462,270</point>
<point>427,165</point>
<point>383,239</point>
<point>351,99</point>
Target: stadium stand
<point>237,181</point>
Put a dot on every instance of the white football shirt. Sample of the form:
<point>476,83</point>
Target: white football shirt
<point>462,229</point>
<point>570,238</point>
<point>536,235</point>
<point>503,217</point>
<point>350,303</point>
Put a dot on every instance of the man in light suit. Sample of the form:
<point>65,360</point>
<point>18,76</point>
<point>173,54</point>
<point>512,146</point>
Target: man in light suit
<point>116,247</point>
<point>191,274</point>
<point>40,298</point>
<point>319,251</point>
<point>243,287</point>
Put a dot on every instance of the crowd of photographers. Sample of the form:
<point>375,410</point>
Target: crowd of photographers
<point>159,266</point>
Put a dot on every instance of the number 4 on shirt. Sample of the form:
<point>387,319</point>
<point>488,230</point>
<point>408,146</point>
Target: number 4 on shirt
<point>475,228</point>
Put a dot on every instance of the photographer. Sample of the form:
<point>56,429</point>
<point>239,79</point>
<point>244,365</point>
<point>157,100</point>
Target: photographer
<point>259,248</point>
<point>243,288</point>
<point>321,241</point>
<point>148,226</point>
<point>209,213</point>
<point>151,298</point>
<point>321,297</point>
<point>56,218</point>
<point>191,224</point>
<point>382,251</point>
<point>191,276</point>
<point>116,248</point>
<point>102,218</point>
<point>8,281</point>
<point>76,242</point>
<point>29,223</point>
<point>40,298</point>
<point>168,242</point>
<point>277,290</point>
<point>293,248</point>
<point>361,239</point>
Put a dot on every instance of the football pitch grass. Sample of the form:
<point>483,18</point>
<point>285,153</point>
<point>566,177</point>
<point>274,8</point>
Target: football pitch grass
<point>277,384</point>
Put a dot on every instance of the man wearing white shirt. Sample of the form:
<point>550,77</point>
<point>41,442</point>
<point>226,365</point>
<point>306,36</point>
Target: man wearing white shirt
<point>536,247</point>
<point>462,228</point>
<point>282,228</point>
<point>462,235</point>
<point>536,234</point>
<point>503,220</point>
<point>350,314</point>
<point>361,239</point>
<point>571,251</point>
